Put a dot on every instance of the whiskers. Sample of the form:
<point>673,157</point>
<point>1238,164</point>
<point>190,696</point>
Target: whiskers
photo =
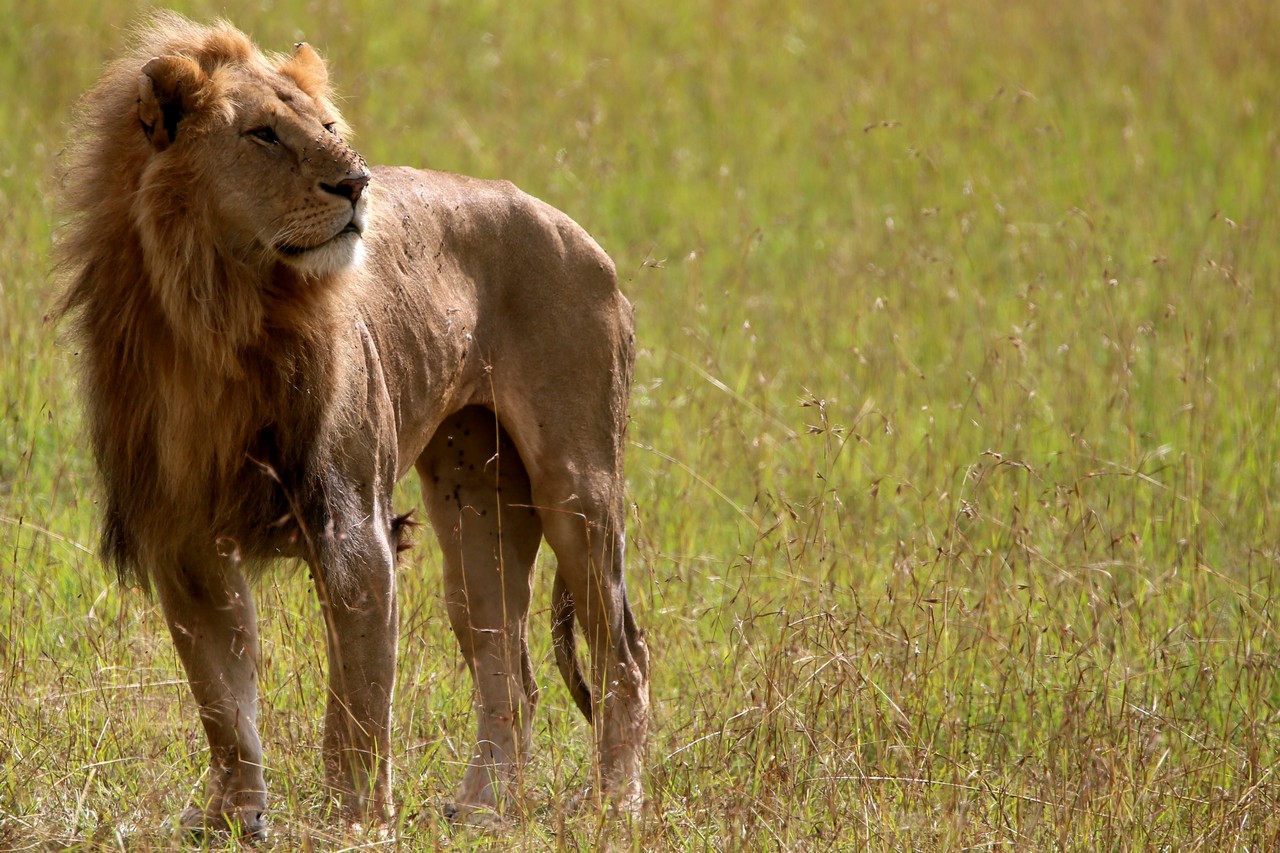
<point>315,240</point>
<point>286,232</point>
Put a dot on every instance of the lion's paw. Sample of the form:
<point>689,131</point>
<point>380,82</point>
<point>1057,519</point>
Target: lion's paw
<point>625,804</point>
<point>477,816</point>
<point>245,824</point>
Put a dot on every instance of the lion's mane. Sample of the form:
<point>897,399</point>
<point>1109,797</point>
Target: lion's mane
<point>169,323</point>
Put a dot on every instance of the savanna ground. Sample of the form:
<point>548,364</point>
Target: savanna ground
<point>954,431</point>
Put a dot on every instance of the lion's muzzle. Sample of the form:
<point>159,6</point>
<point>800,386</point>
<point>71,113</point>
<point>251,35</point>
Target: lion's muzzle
<point>349,187</point>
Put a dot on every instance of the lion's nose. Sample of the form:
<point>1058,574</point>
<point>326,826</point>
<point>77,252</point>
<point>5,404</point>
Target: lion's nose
<point>349,187</point>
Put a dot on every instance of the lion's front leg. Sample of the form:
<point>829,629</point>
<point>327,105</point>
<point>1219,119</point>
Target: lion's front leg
<point>362,624</point>
<point>210,614</point>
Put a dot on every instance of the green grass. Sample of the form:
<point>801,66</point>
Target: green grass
<point>954,439</point>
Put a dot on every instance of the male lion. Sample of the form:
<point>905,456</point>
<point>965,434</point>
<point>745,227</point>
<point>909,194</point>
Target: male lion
<point>271,335</point>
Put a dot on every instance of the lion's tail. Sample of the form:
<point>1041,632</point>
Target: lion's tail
<point>566,646</point>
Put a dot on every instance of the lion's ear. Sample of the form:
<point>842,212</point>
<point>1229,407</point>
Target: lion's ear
<point>167,90</point>
<point>307,70</point>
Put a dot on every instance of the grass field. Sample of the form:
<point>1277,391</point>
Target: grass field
<point>954,441</point>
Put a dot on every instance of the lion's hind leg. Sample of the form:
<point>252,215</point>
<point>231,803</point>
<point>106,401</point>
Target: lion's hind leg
<point>477,494</point>
<point>583,522</point>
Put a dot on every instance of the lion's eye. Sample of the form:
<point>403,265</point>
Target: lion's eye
<point>265,135</point>
<point>332,127</point>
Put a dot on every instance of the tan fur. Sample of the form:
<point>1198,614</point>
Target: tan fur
<point>271,334</point>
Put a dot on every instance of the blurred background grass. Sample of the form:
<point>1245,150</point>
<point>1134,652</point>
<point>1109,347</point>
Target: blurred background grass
<point>954,439</point>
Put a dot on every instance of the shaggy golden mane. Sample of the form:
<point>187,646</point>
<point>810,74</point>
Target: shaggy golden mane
<point>161,304</point>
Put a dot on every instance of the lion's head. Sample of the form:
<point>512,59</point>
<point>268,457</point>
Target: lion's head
<point>221,164</point>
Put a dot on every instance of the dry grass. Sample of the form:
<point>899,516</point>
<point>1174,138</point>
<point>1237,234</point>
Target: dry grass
<point>954,431</point>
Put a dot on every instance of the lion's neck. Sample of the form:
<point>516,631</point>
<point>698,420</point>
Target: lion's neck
<point>213,305</point>
<point>185,388</point>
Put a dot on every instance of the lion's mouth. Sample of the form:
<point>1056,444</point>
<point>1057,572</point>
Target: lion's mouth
<point>293,250</point>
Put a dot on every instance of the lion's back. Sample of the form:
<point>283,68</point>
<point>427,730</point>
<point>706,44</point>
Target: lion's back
<point>509,292</point>
<point>517,255</point>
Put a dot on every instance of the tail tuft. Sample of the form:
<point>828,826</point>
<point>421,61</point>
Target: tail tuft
<point>566,646</point>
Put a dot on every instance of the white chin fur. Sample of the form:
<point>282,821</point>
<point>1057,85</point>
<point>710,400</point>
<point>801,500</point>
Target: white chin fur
<point>343,251</point>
